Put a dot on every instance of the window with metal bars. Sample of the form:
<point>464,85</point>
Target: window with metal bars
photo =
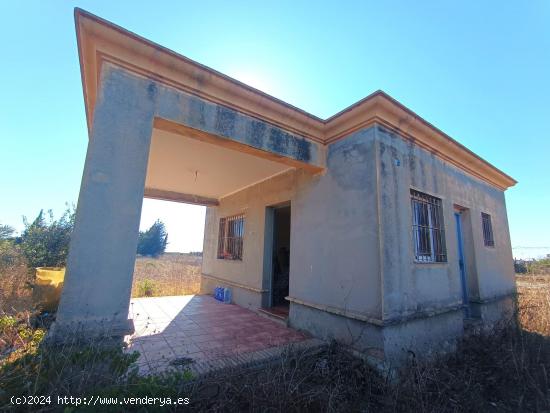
<point>230,238</point>
<point>428,228</point>
<point>487,230</point>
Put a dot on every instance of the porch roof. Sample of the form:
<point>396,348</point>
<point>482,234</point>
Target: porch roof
<point>101,41</point>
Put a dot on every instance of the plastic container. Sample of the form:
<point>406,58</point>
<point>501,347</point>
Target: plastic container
<point>227,296</point>
<point>47,287</point>
<point>218,293</point>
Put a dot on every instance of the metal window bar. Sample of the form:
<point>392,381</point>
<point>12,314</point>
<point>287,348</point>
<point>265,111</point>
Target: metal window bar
<point>488,238</point>
<point>230,240</point>
<point>428,228</point>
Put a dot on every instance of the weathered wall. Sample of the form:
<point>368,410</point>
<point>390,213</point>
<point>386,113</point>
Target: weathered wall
<point>422,338</point>
<point>352,272</point>
<point>334,259</point>
<point>97,288</point>
<point>252,202</point>
<point>411,287</point>
<point>334,250</point>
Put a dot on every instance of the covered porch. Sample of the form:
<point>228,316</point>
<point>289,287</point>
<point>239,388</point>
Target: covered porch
<point>197,332</point>
<point>163,127</point>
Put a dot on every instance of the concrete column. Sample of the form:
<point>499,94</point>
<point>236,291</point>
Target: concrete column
<point>102,253</point>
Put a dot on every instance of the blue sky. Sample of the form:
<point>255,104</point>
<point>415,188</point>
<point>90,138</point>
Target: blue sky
<point>480,71</point>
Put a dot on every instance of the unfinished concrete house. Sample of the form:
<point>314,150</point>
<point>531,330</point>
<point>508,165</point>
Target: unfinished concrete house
<point>372,227</point>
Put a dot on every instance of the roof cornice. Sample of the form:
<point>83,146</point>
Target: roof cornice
<point>101,41</point>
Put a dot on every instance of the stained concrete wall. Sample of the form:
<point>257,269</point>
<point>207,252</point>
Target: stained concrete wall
<point>334,231</point>
<point>353,277</point>
<point>334,258</point>
<point>411,287</point>
<point>103,245</point>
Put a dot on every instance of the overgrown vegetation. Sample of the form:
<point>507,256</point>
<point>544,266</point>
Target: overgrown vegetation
<point>15,278</point>
<point>87,371</point>
<point>501,370</point>
<point>45,242</point>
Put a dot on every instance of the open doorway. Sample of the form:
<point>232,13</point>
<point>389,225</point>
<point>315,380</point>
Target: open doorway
<point>280,254</point>
<point>176,269</point>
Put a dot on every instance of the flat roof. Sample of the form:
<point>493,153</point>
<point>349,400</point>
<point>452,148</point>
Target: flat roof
<point>101,41</point>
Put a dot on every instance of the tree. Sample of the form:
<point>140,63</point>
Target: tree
<point>153,241</point>
<point>6,232</point>
<point>45,243</point>
<point>10,254</point>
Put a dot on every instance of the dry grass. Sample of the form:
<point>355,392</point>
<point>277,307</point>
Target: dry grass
<point>534,303</point>
<point>170,274</point>
<point>15,279</point>
<point>502,370</point>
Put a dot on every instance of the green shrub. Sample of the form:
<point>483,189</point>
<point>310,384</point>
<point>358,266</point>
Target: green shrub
<point>146,288</point>
<point>45,243</point>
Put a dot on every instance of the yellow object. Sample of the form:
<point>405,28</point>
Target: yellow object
<point>48,287</point>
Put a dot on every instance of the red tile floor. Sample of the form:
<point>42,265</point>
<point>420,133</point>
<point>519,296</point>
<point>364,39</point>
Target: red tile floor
<point>189,329</point>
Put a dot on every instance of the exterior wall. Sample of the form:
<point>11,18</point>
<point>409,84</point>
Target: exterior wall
<point>334,259</point>
<point>413,289</point>
<point>249,272</point>
<point>360,335</point>
<point>353,277</point>
<point>433,287</point>
<point>334,232</point>
<point>422,337</point>
<point>334,251</point>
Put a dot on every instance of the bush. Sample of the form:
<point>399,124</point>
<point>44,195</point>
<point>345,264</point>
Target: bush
<point>45,243</point>
<point>146,288</point>
<point>153,241</point>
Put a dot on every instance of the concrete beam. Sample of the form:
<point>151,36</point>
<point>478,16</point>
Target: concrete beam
<point>179,197</point>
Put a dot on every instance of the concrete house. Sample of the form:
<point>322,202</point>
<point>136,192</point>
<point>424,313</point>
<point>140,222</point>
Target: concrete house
<point>372,227</point>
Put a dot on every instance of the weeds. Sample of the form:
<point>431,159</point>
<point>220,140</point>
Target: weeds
<point>170,274</point>
<point>146,288</point>
<point>85,371</point>
<point>15,280</point>
<point>506,369</point>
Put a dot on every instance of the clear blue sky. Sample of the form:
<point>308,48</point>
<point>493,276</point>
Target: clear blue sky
<point>478,70</point>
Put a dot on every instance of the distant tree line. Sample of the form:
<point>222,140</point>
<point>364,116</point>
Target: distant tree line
<point>540,266</point>
<point>45,241</point>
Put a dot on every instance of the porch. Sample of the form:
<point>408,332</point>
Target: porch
<point>202,334</point>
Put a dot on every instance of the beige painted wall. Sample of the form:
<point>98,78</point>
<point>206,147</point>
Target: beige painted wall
<point>252,202</point>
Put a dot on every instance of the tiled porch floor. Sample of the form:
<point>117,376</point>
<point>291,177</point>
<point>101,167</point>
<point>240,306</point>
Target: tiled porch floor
<point>190,329</point>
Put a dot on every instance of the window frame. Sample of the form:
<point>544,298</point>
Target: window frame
<point>487,230</point>
<point>231,237</point>
<point>428,228</point>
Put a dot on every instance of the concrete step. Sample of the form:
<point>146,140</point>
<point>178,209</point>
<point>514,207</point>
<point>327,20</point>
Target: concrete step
<point>278,318</point>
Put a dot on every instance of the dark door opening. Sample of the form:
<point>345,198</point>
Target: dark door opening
<point>281,258</point>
